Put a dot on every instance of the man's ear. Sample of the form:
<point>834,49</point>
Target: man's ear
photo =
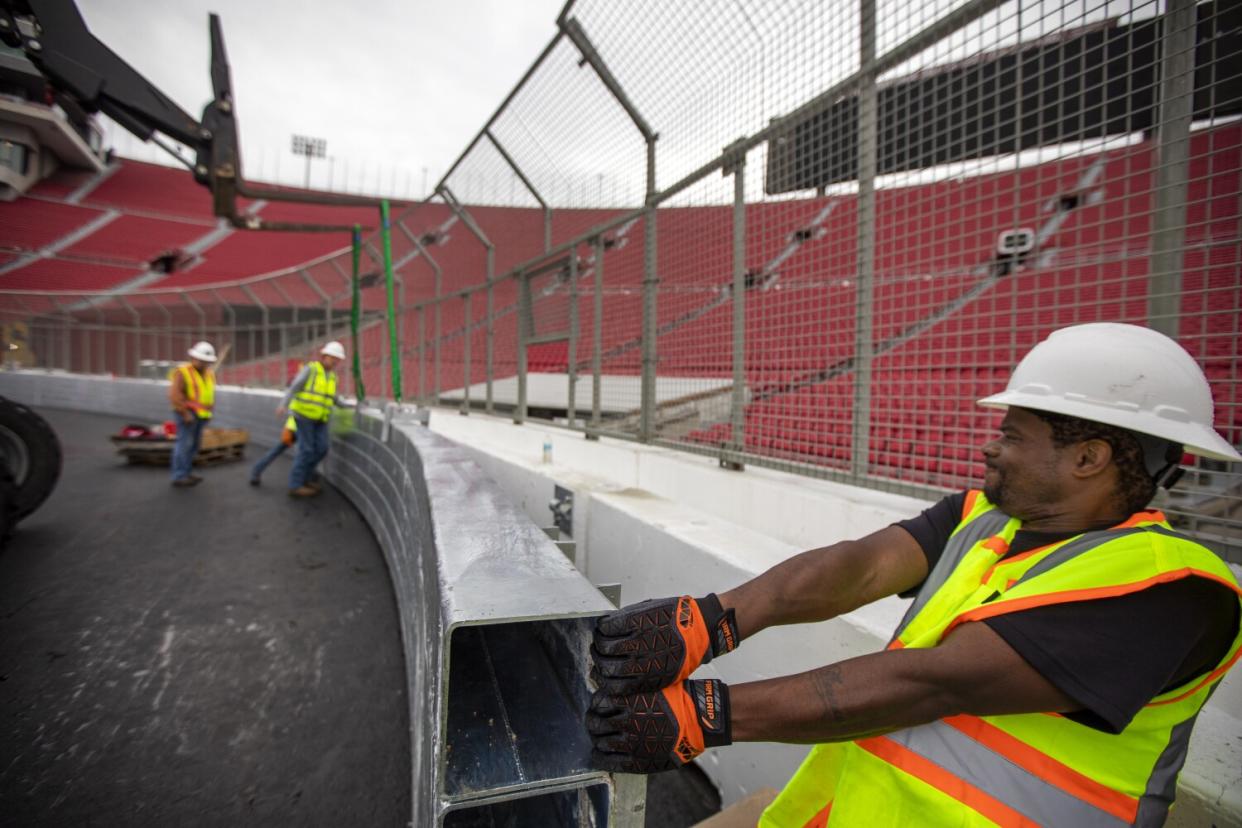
<point>1091,457</point>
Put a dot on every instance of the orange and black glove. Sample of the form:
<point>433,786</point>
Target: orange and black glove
<point>659,730</point>
<point>660,642</point>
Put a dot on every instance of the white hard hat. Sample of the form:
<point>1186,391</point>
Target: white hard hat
<point>333,349</point>
<point>1122,375</point>
<point>203,350</point>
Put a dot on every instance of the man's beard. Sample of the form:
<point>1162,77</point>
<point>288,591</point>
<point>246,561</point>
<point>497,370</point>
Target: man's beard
<point>996,493</point>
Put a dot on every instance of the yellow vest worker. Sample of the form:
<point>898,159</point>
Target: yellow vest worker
<point>1028,769</point>
<point>317,396</point>
<point>192,392</point>
<point>199,389</point>
<point>310,399</point>
<point>1061,642</point>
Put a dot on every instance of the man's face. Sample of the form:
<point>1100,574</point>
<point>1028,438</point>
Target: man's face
<point>1024,467</point>
<point>199,365</point>
<point>329,362</point>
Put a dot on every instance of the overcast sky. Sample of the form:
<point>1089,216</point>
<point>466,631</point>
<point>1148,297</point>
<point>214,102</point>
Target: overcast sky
<point>395,86</point>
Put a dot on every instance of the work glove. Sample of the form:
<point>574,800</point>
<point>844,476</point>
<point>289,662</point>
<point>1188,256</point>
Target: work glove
<point>659,730</point>
<point>658,643</point>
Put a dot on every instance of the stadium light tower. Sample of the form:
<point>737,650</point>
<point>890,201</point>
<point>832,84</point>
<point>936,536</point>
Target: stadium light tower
<point>311,148</point>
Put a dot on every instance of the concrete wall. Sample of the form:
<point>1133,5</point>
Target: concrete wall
<point>662,522</point>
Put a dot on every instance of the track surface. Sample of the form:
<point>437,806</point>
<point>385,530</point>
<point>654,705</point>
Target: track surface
<point>219,655</point>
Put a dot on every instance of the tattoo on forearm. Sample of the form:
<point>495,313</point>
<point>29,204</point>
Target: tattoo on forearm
<point>827,682</point>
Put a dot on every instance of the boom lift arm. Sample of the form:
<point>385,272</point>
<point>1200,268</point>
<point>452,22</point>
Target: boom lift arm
<point>88,75</point>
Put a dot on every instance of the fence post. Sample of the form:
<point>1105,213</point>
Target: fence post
<point>524,310</point>
<point>572,362</point>
<point>421,320</point>
<point>450,198</point>
<point>547,211</point>
<point>597,334</point>
<point>394,350</point>
<point>465,378</point>
<point>355,305</point>
<point>578,36</point>
<point>1177,76</point>
<point>737,408</point>
<point>438,274</point>
<point>864,297</point>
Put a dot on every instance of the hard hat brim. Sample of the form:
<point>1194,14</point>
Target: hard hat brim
<point>1195,438</point>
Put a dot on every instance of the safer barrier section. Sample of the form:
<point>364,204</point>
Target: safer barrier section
<point>517,695</point>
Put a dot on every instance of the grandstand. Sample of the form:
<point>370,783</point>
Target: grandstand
<point>767,306</point>
<point>951,314</point>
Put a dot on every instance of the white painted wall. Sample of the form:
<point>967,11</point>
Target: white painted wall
<point>662,522</point>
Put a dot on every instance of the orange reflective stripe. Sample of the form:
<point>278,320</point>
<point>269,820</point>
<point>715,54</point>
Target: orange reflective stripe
<point>968,506</point>
<point>820,820</point>
<point>1153,516</point>
<point>895,644</point>
<point>1069,595</point>
<point>929,772</point>
<point>996,544</point>
<point>1075,784</point>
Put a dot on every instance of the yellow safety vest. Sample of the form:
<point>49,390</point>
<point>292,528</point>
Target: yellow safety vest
<point>1025,769</point>
<point>318,395</point>
<point>200,389</point>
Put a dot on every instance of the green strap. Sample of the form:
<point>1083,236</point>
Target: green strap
<point>360,390</point>
<point>394,350</point>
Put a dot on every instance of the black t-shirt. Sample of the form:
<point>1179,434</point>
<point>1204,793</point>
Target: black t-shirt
<point>1111,655</point>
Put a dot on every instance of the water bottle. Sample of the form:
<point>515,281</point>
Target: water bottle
<point>547,449</point>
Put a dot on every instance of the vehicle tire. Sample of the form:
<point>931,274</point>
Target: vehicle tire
<point>8,503</point>
<point>31,450</point>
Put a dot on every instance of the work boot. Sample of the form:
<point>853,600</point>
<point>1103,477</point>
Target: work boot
<point>196,478</point>
<point>186,482</point>
<point>303,491</point>
<point>316,485</point>
<point>254,481</point>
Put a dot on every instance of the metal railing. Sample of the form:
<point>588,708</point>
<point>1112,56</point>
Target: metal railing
<point>803,235</point>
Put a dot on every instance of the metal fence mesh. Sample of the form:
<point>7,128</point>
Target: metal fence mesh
<point>804,235</point>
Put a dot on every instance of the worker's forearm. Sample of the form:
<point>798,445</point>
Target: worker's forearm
<point>863,696</point>
<point>973,670</point>
<point>813,586</point>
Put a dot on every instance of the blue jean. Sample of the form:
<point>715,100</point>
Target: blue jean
<point>266,460</point>
<point>189,435</point>
<point>312,448</point>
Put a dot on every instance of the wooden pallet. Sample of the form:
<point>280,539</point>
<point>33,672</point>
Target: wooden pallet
<point>218,445</point>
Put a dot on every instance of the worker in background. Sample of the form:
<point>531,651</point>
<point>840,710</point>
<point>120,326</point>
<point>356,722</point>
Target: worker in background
<point>310,398</point>
<point>1061,640</point>
<point>288,436</point>
<point>192,393</point>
